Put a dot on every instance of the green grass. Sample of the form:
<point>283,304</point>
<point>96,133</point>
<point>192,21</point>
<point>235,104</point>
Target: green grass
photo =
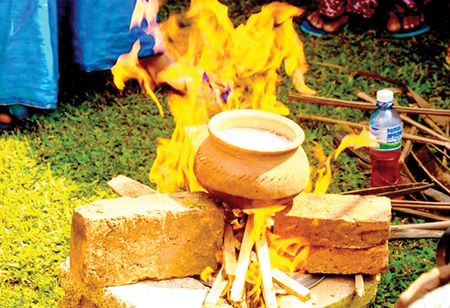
<point>57,160</point>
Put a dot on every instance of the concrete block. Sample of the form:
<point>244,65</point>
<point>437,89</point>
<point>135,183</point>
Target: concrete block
<point>332,260</point>
<point>343,221</point>
<point>180,292</point>
<point>161,236</point>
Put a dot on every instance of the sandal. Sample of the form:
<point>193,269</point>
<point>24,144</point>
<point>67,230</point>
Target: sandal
<point>308,28</point>
<point>419,29</point>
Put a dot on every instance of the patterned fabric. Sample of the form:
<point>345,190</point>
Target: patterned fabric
<point>366,8</point>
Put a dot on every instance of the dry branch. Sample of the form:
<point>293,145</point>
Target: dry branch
<point>424,226</point>
<point>363,105</point>
<point>399,234</point>
<point>237,289</point>
<point>290,285</point>
<point>423,103</point>
<point>407,147</point>
<point>126,187</point>
<point>262,250</point>
<point>408,120</point>
<point>216,290</point>
<point>361,126</point>
<point>420,213</point>
<point>421,205</point>
<point>359,285</point>
<point>229,251</point>
<point>431,176</point>
<point>391,191</point>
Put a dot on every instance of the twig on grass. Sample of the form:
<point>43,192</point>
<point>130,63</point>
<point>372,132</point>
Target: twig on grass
<point>363,105</point>
<point>361,126</point>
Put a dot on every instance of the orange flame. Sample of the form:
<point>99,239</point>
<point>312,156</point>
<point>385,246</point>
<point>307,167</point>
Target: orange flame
<point>324,174</point>
<point>218,67</point>
<point>288,254</point>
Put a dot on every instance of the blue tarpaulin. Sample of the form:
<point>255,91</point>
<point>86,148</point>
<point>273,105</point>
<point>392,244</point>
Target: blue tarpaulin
<point>29,35</point>
<point>28,53</point>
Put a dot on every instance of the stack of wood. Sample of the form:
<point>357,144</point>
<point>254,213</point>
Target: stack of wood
<point>425,191</point>
<point>245,249</point>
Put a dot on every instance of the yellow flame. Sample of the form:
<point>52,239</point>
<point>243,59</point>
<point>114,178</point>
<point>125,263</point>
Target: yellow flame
<point>206,274</point>
<point>241,62</point>
<point>364,139</point>
<point>324,174</point>
<point>288,254</point>
<point>254,277</point>
<point>128,68</point>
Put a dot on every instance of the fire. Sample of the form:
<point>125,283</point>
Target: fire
<point>218,67</point>
<point>324,174</point>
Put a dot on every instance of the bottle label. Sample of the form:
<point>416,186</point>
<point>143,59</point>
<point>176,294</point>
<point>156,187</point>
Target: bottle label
<point>389,138</point>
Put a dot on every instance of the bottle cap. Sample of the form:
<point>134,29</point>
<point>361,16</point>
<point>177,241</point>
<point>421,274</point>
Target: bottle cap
<point>385,96</point>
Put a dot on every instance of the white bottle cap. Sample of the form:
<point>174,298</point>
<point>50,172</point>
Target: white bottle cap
<point>385,96</point>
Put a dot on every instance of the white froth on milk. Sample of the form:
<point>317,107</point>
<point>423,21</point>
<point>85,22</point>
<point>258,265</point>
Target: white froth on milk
<point>254,139</point>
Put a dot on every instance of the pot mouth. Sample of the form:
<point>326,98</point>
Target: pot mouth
<point>256,131</point>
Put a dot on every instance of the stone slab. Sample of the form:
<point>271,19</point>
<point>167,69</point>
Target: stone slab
<point>180,292</point>
<point>333,291</point>
<point>161,236</point>
<point>330,220</point>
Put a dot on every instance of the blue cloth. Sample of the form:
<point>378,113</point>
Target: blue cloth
<point>101,32</point>
<point>28,53</point>
<point>98,34</point>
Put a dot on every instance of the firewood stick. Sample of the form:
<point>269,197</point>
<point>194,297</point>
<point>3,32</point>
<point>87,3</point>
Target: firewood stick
<point>398,234</point>
<point>444,158</point>
<point>443,206</point>
<point>408,146</point>
<point>237,289</point>
<point>229,251</point>
<point>420,213</point>
<point>423,128</point>
<point>431,176</point>
<point>290,285</point>
<point>262,250</point>
<point>216,290</point>
<point>430,206</point>
<point>426,226</point>
<point>127,187</point>
<point>429,121</point>
<point>359,285</point>
<point>423,103</point>
<point>361,126</point>
<point>363,105</point>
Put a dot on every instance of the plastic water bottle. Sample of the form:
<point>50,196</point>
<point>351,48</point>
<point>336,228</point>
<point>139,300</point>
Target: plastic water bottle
<point>386,126</point>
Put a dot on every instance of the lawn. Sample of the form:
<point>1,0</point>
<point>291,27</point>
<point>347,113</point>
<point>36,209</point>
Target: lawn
<point>59,159</point>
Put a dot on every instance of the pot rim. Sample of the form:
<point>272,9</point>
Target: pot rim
<point>257,119</point>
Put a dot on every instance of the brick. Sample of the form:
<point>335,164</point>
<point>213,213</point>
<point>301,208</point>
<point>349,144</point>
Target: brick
<point>345,261</point>
<point>342,221</point>
<point>125,240</point>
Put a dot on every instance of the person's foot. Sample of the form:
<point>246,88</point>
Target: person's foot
<point>327,24</point>
<point>5,118</point>
<point>410,21</point>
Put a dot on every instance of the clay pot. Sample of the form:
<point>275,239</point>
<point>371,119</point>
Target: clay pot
<point>246,177</point>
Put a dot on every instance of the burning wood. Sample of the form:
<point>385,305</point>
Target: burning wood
<point>253,280</point>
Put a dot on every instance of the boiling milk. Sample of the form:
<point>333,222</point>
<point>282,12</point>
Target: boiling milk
<point>254,139</point>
